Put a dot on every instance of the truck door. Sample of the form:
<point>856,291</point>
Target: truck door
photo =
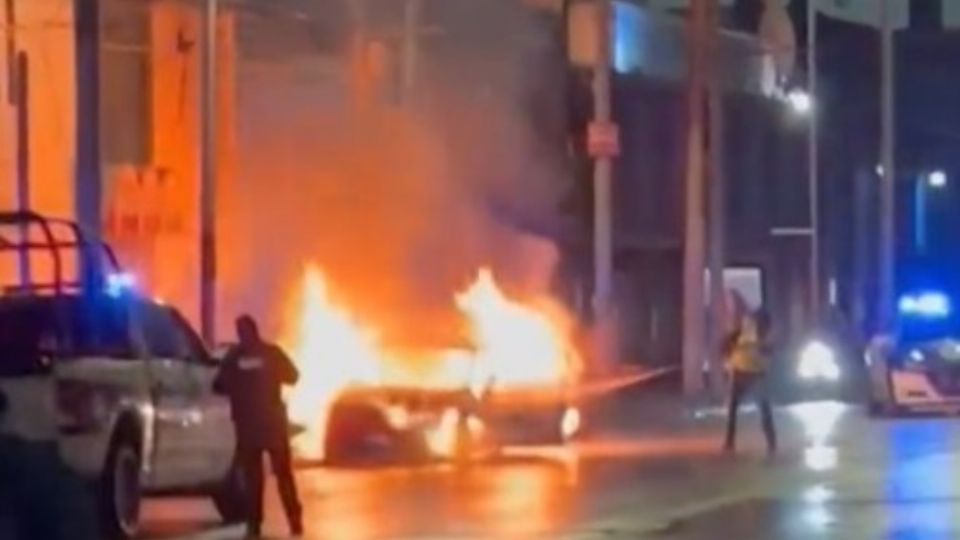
<point>180,456</point>
<point>217,438</point>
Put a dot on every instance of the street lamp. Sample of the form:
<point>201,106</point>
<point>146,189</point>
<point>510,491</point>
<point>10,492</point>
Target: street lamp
<point>926,181</point>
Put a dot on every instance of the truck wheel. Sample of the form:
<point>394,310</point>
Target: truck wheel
<point>229,497</point>
<point>120,489</point>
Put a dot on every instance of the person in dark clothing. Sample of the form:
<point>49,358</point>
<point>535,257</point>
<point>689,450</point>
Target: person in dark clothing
<point>748,350</point>
<point>252,376</point>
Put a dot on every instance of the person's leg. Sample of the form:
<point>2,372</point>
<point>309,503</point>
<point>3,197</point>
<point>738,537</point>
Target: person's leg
<point>282,466</point>
<point>251,461</point>
<point>736,391</point>
<point>766,413</point>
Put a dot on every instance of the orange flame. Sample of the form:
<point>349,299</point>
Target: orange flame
<point>516,344</point>
<point>332,352</point>
<point>513,345</point>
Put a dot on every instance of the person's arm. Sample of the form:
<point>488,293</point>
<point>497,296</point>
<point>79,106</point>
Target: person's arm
<point>223,381</point>
<point>286,372</point>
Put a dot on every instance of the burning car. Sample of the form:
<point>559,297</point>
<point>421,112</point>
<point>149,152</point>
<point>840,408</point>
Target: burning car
<point>425,424</point>
<point>400,424</point>
<point>508,380</point>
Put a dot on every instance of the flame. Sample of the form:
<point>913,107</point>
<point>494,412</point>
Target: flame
<point>514,344</point>
<point>332,351</point>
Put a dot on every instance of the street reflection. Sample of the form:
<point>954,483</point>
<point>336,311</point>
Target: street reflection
<point>819,420</point>
<point>817,513</point>
<point>527,501</point>
<point>818,494</point>
<point>919,479</point>
<point>820,457</point>
<point>517,495</point>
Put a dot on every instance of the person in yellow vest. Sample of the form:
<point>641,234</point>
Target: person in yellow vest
<point>747,351</point>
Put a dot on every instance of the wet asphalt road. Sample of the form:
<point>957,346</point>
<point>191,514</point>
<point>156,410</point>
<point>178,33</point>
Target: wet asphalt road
<point>838,475</point>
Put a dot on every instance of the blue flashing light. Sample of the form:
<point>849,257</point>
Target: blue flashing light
<point>931,305</point>
<point>119,283</point>
<point>627,46</point>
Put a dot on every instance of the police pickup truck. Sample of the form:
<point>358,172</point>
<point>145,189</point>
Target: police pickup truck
<point>119,387</point>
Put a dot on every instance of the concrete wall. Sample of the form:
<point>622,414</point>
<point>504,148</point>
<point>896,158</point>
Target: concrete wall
<point>152,208</point>
<point>41,29</point>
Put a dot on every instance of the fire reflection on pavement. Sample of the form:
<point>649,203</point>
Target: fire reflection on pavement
<point>521,495</point>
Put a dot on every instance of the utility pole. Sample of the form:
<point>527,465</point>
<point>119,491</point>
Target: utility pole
<point>693,245</point>
<point>23,154</point>
<point>864,180</point>
<point>359,65</point>
<point>18,95</point>
<point>813,163</point>
<point>410,49</point>
<point>87,171</point>
<point>605,346</point>
<point>208,171</point>
<point>888,173</point>
<point>717,205</point>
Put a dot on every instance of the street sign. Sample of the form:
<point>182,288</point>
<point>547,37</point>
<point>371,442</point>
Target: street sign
<point>603,139</point>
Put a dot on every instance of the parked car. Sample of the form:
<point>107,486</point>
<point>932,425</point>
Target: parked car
<point>915,366</point>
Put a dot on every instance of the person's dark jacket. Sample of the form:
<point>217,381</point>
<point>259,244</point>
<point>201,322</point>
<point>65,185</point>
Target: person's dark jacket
<point>253,380</point>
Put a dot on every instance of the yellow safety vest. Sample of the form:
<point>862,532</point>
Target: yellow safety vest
<point>746,355</point>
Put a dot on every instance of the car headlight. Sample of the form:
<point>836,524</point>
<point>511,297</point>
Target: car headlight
<point>571,422</point>
<point>818,362</point>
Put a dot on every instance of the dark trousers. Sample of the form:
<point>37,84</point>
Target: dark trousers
<point>251,460</point>
<point>743,382</point>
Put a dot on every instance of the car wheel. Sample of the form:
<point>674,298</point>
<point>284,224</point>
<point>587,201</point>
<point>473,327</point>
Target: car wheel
<point>229,497</point>
<point>120,490</point>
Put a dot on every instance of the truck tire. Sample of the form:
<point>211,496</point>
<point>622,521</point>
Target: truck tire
<point>229,497</point>
<point>120,488</point>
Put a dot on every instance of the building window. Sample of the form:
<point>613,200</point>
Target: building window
<point>125,82</point>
